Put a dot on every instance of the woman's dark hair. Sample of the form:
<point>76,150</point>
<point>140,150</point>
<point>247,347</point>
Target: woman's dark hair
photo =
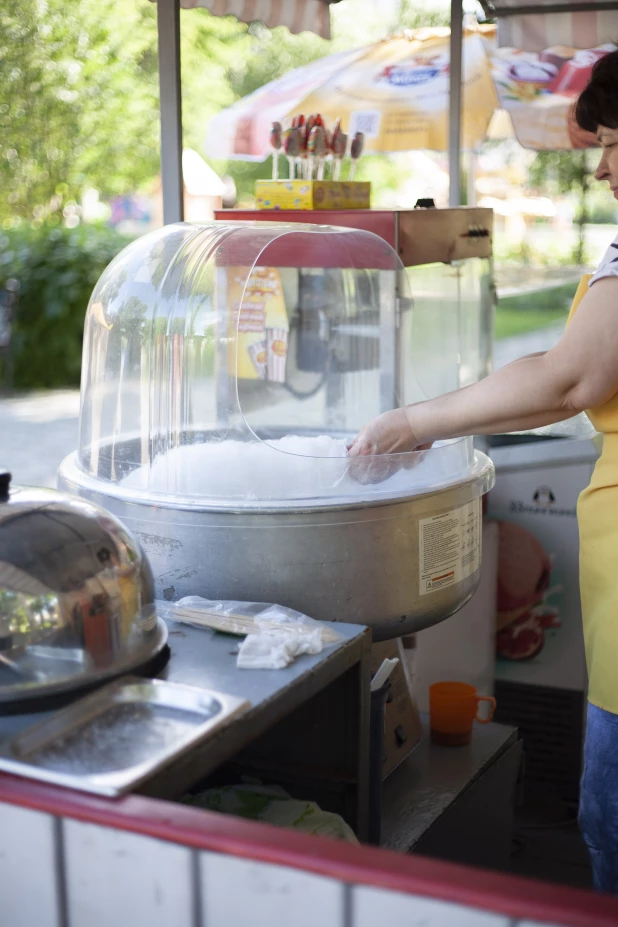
<point>598,102</point>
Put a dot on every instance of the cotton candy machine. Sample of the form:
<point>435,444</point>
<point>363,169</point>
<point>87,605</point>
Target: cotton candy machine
<point>225,368</point>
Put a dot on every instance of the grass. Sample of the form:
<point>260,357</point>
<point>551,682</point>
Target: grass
<point>527,312</point>
<point>512,322</point>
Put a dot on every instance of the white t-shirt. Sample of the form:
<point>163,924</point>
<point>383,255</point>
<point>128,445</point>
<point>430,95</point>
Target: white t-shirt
<point>609,265</point>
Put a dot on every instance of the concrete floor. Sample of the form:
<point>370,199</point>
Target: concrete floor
<point>36,432</point>
<point>509,349</point>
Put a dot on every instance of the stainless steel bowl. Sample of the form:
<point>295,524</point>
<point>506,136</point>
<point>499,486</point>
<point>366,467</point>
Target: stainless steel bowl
<point>76,595</point>
<point>355,562</point>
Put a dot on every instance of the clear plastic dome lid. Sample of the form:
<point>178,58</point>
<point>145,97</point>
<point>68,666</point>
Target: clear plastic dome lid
<point>232,363</point>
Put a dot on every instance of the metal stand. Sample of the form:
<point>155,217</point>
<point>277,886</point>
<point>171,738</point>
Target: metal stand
<point>454,118</point>
<point>168,25</point>
<point>8,307</point>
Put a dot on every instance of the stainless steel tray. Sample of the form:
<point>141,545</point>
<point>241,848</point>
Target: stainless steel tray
<point>113,740</point>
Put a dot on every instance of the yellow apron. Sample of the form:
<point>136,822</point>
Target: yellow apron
<point>597,513</point>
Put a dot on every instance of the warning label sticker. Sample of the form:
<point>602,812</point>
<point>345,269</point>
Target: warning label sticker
<point>449,547</point>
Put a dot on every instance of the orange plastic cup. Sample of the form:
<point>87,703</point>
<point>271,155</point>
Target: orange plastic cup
<point>453,709</point>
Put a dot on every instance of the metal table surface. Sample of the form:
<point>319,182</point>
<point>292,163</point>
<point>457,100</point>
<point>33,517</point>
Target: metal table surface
<point>314,713</point>
<point>200,657</point>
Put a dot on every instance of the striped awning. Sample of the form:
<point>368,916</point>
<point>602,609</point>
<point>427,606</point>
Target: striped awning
<point>297,15</point>
<point>543,24</point>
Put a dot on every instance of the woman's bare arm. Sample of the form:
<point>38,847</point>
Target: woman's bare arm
<point>579,373</point>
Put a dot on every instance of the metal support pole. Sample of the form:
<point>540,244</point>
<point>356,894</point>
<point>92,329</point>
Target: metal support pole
<point>472,165</point>
<point>168,26</point>
<point>454,118</point>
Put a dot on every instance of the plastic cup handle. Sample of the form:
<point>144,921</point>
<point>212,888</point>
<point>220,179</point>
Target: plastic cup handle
<point>492,702</point>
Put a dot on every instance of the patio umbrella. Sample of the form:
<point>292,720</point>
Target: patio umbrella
<point>395,91</point>
<point>539,90</point>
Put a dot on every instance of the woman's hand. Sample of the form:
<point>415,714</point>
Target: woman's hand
<point>389,433</point>
<point>389,437</point>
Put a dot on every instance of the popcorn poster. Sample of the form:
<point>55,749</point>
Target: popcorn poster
<point>258,326</point>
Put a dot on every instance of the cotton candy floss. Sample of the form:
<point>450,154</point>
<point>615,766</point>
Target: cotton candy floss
<point>289,469</point>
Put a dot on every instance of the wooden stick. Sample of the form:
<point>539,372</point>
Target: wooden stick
<point>240,624</point>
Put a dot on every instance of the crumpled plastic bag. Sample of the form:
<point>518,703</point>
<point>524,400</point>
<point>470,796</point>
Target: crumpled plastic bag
<point>245,617</point>
<point>273,805</point>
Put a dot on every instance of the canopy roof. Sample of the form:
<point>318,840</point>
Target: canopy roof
<point>546,23</point>
<point>297,15</point>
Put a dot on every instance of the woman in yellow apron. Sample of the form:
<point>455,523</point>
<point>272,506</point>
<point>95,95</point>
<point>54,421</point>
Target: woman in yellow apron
<point>580,373</point>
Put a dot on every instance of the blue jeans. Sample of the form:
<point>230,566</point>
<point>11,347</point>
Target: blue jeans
<point>598,805</point>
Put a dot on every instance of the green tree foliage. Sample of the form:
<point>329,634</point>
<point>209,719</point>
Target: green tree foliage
<point>560,173</point>
<point>17,611</point>
<point>78,104</point>
<point>56,269</point>
<point>414,17</point>
<point>79,97</point>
